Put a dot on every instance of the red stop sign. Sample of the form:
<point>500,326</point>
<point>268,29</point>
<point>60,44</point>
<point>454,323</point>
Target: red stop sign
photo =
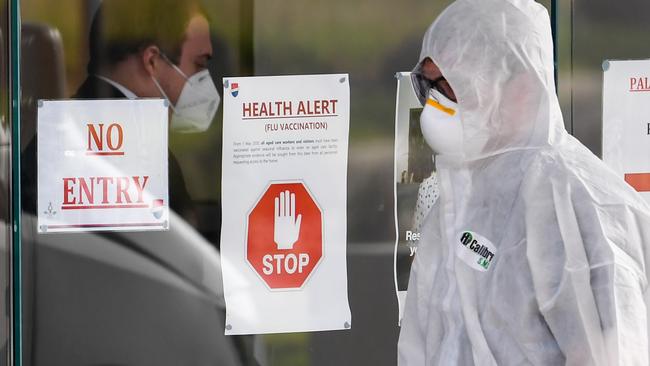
<point>285,235</point>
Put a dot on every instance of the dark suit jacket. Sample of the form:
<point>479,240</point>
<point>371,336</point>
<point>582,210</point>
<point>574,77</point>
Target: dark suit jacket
<point>95,88</point>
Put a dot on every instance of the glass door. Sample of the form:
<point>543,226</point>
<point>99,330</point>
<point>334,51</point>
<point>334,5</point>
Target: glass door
<point>135,298</point>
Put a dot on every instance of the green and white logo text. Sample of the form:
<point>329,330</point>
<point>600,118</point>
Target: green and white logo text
<point>470,242</point>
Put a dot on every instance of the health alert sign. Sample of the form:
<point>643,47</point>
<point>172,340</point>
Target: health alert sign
<point>283,236</point>
<point>626,126</point>
<point>102,165</point>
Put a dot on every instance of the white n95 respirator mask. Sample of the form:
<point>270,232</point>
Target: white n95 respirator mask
<point>440,124</point>
<point>197,103</point>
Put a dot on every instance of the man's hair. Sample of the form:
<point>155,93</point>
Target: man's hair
<point>122,28</point>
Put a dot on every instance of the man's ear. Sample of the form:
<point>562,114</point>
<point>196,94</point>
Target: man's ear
<point>151,59</point>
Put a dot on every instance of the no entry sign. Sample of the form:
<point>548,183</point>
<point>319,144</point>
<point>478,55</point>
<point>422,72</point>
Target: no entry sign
<point>285,236</point>
<point>102,165</point>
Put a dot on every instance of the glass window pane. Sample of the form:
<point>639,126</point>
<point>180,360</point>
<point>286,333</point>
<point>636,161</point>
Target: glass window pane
<point>128,298</point>
<point>601,32</point>
<point>155,298</point>
<point>5,191</point>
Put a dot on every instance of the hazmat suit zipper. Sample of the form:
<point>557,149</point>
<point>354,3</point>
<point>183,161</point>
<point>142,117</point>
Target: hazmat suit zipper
<point>448,224</point>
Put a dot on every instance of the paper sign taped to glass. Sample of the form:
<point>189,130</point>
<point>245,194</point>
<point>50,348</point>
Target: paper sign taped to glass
<point>102,165</point>
<point>626,127</point>
<point>284,183</point>
<point>416,185</point>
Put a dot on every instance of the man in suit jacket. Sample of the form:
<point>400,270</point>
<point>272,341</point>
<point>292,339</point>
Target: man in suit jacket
<point>143,49</point>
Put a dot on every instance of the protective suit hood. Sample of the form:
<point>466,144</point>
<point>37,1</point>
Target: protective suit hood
<point>498,57</point>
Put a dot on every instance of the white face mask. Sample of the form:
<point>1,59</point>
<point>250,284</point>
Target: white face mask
<point>440,125</point>
<point>197,104</point>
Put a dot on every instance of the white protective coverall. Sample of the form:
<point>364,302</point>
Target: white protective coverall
<point>536,253</point>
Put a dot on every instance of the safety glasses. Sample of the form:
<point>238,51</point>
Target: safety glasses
<point>422,85</point>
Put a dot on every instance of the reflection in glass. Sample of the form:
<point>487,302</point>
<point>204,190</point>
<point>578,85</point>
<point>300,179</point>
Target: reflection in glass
<point>5,191</point>
<point>132,298</point>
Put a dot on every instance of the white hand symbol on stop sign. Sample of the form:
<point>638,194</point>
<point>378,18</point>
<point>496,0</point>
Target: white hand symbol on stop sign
<point>286,228</point>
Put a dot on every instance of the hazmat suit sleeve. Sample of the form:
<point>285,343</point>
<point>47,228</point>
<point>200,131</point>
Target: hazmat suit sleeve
<point>588,268</point>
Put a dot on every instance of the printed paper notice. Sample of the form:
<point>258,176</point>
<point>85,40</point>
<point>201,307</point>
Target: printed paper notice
<point>102,165</point>
<point>626,127</point>
<point>416,185</point>
<point>283,236</point>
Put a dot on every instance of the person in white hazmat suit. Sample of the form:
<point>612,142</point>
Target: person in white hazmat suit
<point>536,252</point>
